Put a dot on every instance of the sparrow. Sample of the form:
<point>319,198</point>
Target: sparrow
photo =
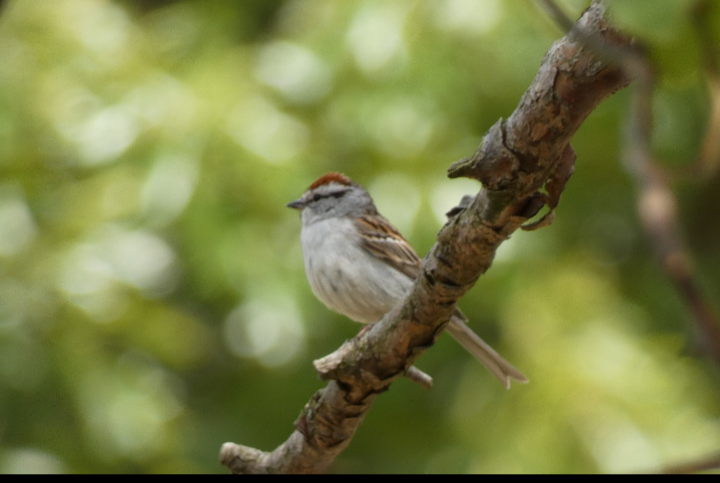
<point>359,265</point>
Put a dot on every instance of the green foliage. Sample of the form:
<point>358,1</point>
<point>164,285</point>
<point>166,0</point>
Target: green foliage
<point>153,302</point>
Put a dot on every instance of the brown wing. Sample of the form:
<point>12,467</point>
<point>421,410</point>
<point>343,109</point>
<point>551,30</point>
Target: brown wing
<point>381,239</point>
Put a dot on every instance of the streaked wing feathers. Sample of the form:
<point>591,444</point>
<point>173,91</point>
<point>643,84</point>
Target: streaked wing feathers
<point>381,239</point>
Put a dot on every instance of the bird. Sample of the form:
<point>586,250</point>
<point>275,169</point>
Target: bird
<point>359,265</point>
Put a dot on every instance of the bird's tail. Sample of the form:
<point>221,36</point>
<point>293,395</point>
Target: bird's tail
<point>472,343</point>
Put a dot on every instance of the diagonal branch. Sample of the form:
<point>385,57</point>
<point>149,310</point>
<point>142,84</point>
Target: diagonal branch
<point>518,157</point>
<point>708,463</point>
<point>709,160</point>
<point>657,205</point>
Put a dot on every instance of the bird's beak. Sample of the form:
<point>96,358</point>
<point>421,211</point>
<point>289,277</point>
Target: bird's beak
<point>298,204</point>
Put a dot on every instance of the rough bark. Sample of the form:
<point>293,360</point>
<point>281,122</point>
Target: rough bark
<point>517,159</point>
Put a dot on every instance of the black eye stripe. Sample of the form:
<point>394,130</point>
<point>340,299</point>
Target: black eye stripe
<point>334,194</point>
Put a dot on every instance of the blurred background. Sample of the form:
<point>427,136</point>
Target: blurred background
<point>153,302</point>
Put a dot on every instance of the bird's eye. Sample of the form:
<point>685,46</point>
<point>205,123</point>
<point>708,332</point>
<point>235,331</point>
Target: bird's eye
<point>316,197</point>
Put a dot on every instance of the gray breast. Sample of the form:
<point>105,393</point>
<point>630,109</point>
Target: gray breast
<point>345,277</point>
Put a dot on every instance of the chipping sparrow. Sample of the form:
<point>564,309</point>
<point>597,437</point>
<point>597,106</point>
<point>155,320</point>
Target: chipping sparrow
<point>359,265</point>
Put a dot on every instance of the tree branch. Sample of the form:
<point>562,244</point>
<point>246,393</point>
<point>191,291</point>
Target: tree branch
<point>709,160</point>
<point>708,463</point>
<point>517,158</point>
<point>657,204</point>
